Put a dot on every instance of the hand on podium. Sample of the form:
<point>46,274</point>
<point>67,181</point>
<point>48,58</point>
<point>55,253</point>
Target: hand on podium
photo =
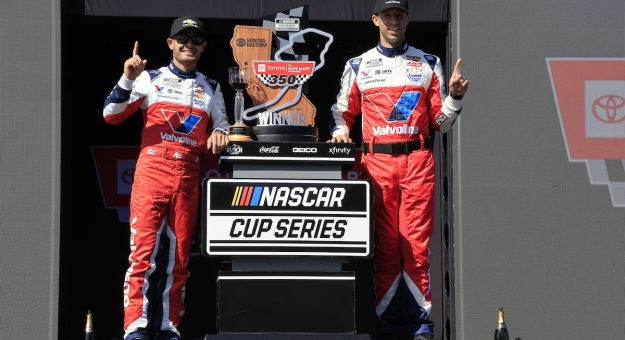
<point>340,139</point>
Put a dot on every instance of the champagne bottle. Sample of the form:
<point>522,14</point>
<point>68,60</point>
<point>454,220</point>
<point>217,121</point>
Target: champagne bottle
<point>501,333</point>
<point>89,327</point>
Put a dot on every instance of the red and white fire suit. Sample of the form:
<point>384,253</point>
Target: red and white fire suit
<point>180,111</point>
<point>399,92</point>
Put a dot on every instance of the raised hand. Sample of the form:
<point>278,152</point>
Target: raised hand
<point>457,84</point>
<point>134,65</point>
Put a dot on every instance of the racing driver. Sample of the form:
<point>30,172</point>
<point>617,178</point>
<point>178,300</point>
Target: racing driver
<point>400,93</point>
<point>183,119</point>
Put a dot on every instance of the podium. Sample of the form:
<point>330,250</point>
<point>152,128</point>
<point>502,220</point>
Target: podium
<point>287,221</point>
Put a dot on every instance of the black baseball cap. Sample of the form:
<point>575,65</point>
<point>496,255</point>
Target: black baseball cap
<point>381,5</point>
<point>183,23</point>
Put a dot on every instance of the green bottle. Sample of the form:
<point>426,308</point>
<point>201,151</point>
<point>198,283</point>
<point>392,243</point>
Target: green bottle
<point>501,333</point>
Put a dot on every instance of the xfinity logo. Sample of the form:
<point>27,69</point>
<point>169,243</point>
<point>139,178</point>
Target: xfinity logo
<point>264,196</point>
<point>271,149</point>
<point>305,150</point>
<point>234,149</point>
<point>336,150</point>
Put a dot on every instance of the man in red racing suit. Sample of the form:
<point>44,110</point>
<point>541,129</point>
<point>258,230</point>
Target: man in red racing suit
<point>399,91</point>
<point>184,117</point>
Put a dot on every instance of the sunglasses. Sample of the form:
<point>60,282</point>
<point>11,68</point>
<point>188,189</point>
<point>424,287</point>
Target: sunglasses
<point>184,39</point>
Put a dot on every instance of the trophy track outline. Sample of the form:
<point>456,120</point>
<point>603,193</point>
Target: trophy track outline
<point>281,94</point>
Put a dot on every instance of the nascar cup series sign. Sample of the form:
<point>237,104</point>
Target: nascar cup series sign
<point>287,217</point>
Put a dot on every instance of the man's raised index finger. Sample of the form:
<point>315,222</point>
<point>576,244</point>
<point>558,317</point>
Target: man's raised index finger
<point>135,50</point>
<point>457,66</point>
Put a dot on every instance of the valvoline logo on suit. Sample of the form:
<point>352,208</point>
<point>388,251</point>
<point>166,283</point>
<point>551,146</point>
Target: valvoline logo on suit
<point>183,125</point>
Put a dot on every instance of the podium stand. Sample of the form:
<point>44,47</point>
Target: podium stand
<point>287,222</point>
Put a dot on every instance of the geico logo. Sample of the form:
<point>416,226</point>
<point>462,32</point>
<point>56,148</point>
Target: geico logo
<point>308,228</point>
<point>305,150</point>
<point>308,197</point>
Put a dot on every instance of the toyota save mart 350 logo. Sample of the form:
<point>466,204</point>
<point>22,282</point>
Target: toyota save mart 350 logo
<point>590,97</point>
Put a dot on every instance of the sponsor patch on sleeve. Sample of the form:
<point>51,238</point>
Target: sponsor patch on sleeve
<point>355,63</point>
<point>431,60</point>
<point>441,119</point>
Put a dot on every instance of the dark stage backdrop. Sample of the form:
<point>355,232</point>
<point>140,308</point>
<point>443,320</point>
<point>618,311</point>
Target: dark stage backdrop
<point>94,242</point>
<point>338,10</point>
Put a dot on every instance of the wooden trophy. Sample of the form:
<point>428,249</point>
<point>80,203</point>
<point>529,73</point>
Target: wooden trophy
<point>279,108</point>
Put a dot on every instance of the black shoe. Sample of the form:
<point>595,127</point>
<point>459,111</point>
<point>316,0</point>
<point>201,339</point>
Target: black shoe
<point>386,337</point>
<point>138,335</point>
<point>424,336</point>
<point>167,335</point>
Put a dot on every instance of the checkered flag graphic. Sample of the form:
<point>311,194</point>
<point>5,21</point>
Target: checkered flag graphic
<point>299,50</point>
<point>305,47</point>
<point>610,173</point>
<point>268,79</point>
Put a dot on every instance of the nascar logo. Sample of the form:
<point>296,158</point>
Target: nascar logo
<point>265,196</point>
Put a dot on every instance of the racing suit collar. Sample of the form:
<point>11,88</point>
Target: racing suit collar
<point>180,73</point>
<point>392,51</point>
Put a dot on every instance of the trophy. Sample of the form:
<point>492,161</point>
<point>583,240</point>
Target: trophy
<point>282,56</point>
<point>239,80</point>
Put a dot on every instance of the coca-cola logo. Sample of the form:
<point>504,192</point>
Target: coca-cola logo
<point>609,108</point>
<point>271,149</point>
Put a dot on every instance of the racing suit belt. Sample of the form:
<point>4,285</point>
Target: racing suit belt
<point>396,148</point>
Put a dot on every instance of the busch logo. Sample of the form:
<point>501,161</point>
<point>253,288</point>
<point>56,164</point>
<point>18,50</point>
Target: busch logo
<point>234,149</point>
<point>271,149</point>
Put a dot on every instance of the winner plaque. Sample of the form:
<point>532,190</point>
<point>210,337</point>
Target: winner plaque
<point>281,57</point>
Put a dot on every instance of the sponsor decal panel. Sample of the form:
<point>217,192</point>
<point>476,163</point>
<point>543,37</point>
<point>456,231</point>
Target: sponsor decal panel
<point>289,217</point>
<point>283,73</point>
<point>374,63</point>
<point>115,169</point>
<point>287,24</point>
<point>590,98</point>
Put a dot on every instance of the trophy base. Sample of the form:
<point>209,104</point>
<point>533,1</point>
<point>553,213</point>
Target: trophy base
<point>239,133</point>
<point>286,133</point>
